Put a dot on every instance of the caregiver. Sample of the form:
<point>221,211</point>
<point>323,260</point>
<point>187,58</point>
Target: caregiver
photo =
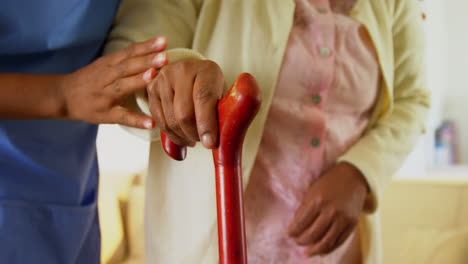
<point>50,92</point>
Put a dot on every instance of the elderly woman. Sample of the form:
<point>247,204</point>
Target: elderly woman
<point>344,102</point>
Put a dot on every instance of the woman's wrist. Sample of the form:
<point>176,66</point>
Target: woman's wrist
<point>62,97</point>
<point>354,178</point>
<point>356,174</point>
<point>27,96</point>
<point>52,103</point>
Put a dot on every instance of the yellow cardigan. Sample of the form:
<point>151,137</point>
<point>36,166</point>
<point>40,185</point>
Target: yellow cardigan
<point>251,36</point>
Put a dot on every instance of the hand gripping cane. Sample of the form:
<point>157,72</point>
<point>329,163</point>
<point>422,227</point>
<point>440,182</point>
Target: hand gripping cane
<point>235,113</point>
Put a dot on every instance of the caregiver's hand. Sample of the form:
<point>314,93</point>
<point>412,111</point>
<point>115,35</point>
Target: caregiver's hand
<point>183,98</point>
<point>330,210</point>
<point>95,93</point>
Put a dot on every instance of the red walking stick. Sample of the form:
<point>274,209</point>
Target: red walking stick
<point>235,113</point>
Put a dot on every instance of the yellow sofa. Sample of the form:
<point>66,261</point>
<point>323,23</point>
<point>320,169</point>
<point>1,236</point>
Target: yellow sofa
<point>121,206</point>
<point>424,220</point>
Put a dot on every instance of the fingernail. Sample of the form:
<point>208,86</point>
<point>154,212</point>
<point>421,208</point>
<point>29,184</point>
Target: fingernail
<point>160,59</point>
<point>149,75</point>
<point>148,124</point>
<point>207,140</point>
<point>159,42</point>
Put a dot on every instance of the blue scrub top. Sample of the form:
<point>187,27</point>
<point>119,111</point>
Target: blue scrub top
<point>48,168</point>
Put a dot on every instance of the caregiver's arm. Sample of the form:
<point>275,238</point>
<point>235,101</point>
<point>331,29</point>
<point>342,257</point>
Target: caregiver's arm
<point>91,94</point>
<point>25,96</point>
<point>137,20</point>
<point>382,150</point>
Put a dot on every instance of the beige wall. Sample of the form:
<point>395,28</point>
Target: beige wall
<point>456,105</point>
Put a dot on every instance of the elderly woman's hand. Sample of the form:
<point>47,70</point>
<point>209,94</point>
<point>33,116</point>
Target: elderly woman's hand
<point>330,210</point>
<point>183,99</point>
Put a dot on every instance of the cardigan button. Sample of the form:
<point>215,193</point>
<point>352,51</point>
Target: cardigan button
<point>315,142</point>
<point>325,52</point>
<point>322,10</point>
<point>316,99</point>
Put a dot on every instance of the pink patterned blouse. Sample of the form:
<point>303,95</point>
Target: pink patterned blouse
<point>326,90</point>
